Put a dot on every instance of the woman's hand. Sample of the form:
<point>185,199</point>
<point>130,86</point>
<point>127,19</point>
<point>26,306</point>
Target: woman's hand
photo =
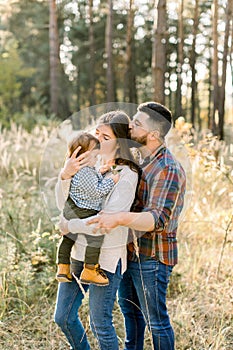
<point>63,225</point>
<point>73,164</point>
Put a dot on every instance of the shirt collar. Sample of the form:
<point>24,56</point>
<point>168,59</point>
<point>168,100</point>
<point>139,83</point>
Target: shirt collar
<point>153,155</point>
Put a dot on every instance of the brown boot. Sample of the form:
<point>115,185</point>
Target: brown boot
<point>93,274</point>
<point>63,273</point>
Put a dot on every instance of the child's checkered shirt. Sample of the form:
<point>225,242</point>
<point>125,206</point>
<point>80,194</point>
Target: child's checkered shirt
<point>89,188</point>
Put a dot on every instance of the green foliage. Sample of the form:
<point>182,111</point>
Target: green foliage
<point>11,74</point>
<point>10,66</point>
<point>14,79</point>
<point>27,22</point>
<point>33,43</point>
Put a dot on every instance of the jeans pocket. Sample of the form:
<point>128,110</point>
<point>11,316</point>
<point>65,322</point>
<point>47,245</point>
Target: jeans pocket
<point>164,272</point>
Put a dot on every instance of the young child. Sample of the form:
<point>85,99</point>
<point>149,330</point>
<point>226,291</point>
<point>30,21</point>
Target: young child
<point>88,188</point>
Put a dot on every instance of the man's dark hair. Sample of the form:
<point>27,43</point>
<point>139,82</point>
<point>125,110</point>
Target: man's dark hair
<point>160,116</point>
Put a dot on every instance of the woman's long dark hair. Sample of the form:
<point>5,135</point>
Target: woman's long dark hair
<point>119,123</point>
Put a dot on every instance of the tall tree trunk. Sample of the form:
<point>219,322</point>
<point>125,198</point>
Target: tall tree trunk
<point>54,57</point>
<point>159,51</point>
<point>215,93</point>
<point>199,122</point>
<point>224,70</point>
<point>231,48</point>
<point>108,45</point>
<point>129,77</point>
<point>209,88</point>
<point>92,55</point>
<point>78,106</point>
<point>193,65</point>
<point>180,60</point>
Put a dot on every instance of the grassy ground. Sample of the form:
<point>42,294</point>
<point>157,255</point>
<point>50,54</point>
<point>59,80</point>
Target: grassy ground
<point>200,297</point>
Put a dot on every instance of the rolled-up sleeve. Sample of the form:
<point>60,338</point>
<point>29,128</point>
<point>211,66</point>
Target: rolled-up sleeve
<point>162,197</point>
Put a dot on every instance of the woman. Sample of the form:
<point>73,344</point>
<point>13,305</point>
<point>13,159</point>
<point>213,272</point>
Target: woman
<point>113,133</point>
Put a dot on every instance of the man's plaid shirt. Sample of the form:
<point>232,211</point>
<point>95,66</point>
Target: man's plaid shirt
<point>89,188</point>
<point>161,192</point>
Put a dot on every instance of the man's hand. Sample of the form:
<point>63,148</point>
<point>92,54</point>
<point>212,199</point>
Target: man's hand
<point>63,226</point>
<point>105,222</point>
<point>143,222</point>
<point>74,163</point>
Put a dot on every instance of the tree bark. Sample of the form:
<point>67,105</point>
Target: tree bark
<point>159,52</point>
<point>54,57</point>
<point>209,88</point>
<point>231,48</point>
<point>193,65</point>
<point>215,85</point>
<point>224,70</point>
<point>109,55</point>
<point>180,59</point>
<point>129,78</point>
<point>92,55</point>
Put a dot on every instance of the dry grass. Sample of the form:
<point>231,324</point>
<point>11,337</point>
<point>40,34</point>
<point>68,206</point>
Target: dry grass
<point>200,296</point>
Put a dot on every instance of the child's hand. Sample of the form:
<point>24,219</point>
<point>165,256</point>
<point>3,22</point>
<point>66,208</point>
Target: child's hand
<point>103,169</point>
<point>115,177</point>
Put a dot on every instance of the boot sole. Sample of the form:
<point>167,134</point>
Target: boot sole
<point>63,279</point>
<point>95,283</point>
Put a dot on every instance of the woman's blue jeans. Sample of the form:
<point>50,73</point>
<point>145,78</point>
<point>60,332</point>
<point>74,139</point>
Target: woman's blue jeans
<point>142,298</point>
<point>101,302</point>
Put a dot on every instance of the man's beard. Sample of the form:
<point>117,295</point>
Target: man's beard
<point>140,141</point>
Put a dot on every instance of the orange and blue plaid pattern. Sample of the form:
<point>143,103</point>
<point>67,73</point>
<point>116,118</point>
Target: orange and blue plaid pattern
<point>161,192</point>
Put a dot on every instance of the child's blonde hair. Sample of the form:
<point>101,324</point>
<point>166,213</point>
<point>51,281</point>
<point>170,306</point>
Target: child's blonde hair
<point>84,140</point>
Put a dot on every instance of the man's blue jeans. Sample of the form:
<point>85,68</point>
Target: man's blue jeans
<point>142,298</point>
<point>101,302</point>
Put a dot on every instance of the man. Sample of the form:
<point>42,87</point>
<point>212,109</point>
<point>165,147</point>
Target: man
<point>153,221</point>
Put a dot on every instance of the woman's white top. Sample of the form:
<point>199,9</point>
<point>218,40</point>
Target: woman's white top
<point>119,199</point>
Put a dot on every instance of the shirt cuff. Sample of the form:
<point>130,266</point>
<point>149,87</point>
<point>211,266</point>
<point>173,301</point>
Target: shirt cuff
<point>157,226</point>
<point>72,226</point>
